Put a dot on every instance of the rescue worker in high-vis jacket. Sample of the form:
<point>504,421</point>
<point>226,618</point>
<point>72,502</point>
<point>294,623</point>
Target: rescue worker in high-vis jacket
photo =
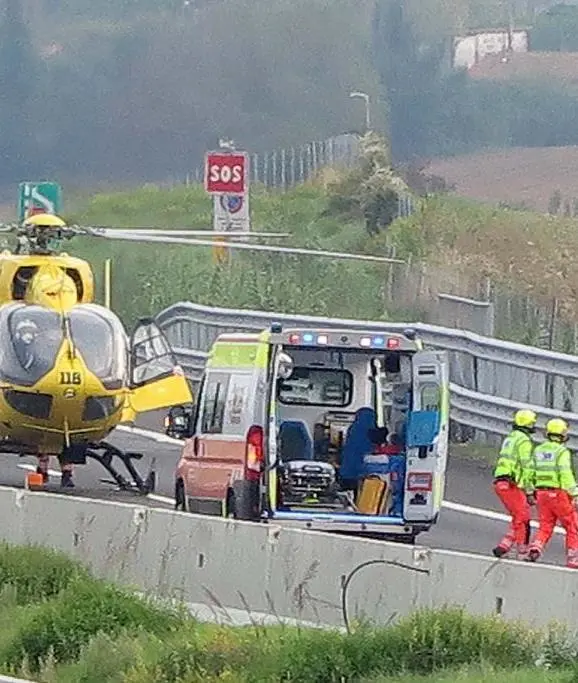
<point>513,482</point>
<point>556,492</point>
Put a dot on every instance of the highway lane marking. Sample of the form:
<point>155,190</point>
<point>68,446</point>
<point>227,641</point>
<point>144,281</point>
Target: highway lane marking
<point>54,473</point>
<point>163,438</point>
<point>149,434</point>
<point>161,499</point>
<point>447,504</point>
<point>32,468</point>
<point>488,514</point>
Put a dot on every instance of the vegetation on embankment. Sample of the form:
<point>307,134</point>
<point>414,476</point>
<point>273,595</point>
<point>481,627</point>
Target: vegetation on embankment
<point>461,244</point>
<point>149,277</point>
<point>58,624</point>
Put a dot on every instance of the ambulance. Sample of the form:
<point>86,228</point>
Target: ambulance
<point>335,430</point>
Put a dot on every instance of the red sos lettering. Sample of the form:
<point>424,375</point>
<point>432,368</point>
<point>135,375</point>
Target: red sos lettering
<point>226,173</point>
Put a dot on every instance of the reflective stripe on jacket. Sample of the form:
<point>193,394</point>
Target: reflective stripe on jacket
<point>553,467</point>
<point>515,459</point>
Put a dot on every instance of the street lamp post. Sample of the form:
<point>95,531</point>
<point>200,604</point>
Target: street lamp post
<point>365,97</point>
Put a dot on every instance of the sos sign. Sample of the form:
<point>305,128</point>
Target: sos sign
<point>226,173</point>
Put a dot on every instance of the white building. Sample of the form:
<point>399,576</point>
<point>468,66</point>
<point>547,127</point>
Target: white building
<point>468,50</point>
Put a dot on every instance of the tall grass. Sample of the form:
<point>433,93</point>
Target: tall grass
<point>92,632</point>
<point>462,242</point>
<point>149,277</point>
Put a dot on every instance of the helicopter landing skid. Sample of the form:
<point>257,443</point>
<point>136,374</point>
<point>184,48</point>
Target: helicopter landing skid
<point>106,459</point>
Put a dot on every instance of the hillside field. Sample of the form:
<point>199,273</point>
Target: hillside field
<point>517,176</point>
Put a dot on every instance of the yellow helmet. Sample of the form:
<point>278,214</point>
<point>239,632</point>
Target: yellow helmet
<point>45,220</point>
<point>557,427</point>
<point>525,418</point>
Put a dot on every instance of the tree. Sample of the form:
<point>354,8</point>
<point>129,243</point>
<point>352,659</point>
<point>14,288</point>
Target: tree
<point>556,30</point>
<point>371,189</point>
<point>411,75</point>
<point>18,79</point>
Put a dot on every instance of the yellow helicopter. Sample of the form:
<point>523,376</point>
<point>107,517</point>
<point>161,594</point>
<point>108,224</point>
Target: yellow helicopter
<point>69,373</point>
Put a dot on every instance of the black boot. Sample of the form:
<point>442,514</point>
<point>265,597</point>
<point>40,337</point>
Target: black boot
<point>66,480</point>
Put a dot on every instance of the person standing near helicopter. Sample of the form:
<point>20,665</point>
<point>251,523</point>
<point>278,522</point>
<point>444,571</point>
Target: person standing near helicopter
<point>66,469</point>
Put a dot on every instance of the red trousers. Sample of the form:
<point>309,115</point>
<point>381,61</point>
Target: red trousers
<point>516,503</point>
<point>555,505</point>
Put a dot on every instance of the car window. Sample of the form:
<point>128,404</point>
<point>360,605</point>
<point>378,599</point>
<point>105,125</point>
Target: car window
<point>213,403</point>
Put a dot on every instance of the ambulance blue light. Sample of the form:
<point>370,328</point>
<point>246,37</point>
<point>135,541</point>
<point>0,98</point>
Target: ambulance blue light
<point>308,338</point>
<point>378,341</point>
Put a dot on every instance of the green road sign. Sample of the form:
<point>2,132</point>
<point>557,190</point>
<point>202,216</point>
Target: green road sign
<point>36,198</point>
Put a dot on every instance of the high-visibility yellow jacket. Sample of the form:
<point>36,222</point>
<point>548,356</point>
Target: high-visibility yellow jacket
<point>553,467</point>
<point>515,459</point>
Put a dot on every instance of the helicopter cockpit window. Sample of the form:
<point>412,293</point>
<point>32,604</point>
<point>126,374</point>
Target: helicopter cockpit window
<point>33,336</point>
<point>101,341</point>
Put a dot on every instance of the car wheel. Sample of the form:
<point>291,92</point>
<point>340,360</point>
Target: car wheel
<point>245,503</point>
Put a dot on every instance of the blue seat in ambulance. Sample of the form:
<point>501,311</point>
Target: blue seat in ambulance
<point>357,445</point>
<point>295,443</point>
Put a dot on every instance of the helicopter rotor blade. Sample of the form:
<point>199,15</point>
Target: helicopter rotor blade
<point>112,234</point>
<point>197,233</point>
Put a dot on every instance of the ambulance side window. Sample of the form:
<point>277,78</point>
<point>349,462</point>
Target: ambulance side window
<point>197,409</point>
<point>214,402</point>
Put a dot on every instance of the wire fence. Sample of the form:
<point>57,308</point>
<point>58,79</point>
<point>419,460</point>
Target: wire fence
<point>283,169</point>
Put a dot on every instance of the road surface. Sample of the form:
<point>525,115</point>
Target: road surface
<point>471,520</point>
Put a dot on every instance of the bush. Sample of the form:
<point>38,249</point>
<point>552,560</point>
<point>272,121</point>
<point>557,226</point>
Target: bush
<point>107,659</point>
<point>36,573</point>
<point>61,627</point>
<point>424,643</point>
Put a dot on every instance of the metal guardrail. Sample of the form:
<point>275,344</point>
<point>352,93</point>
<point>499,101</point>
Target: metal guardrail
<point>8,679</point>
<point>490,377</point>
<point>479,411</point>
<point>462,341</point>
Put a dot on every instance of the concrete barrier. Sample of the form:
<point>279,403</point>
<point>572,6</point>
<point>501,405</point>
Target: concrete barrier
<point>279,571</point>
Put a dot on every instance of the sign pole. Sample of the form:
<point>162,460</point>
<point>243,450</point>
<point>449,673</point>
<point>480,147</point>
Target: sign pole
<point>227,179</point>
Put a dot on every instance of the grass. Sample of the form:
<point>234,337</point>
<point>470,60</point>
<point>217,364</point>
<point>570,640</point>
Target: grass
<point>461,242</point>
<point>58,624</point>
<point>488,676</point>
<point>524,252</point>
<point>147,278</point>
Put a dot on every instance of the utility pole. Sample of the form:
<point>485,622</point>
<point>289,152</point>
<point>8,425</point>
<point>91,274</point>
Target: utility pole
<point>510,7</point>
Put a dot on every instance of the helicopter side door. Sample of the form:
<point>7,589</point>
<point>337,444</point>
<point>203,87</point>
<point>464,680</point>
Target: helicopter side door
<point>156,379</point>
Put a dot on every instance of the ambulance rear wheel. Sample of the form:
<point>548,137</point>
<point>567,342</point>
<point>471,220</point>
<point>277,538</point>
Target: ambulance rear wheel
<point>245,500</point>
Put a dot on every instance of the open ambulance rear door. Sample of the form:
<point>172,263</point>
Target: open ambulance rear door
<point>427,437</point>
